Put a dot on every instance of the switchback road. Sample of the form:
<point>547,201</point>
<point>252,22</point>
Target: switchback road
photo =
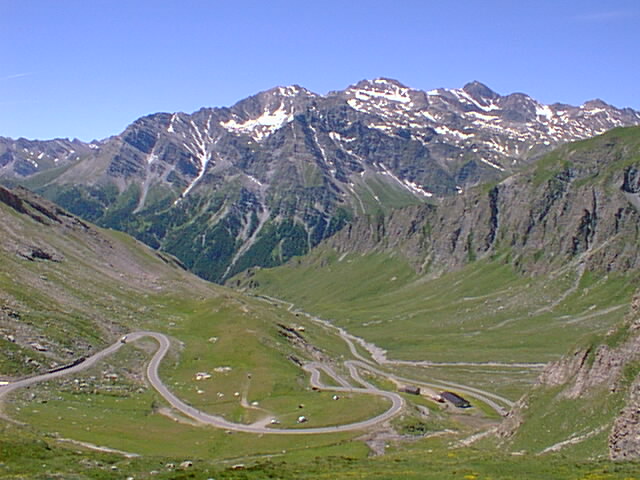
<point>397,402</point>
<point>498,403</point>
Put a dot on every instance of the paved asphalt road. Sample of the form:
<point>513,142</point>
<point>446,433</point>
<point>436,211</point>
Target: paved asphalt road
<point>5,389</point>
<point>496,402</point>
<point>397,402</point>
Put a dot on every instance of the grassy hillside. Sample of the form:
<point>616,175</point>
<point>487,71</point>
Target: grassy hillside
<point>485,312</point>
<point>69,289</point>
<point>33,457</point>
<point>73,288</point>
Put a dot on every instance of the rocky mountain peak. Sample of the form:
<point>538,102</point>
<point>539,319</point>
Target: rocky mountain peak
<point>280,93</point>
<point>377,83</point>
<point>260,115</point>
<point>293,91</point>
<point>595,103</point>
<point>379,89</point>
<point>383,82</point>
<point>480,91</point>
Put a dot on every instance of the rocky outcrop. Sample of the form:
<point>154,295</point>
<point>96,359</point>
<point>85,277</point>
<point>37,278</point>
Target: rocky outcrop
<point>624,440</point>
<point>565,369</point>
<point>610,368</point>
<point>41,210</point>
<point>34,252</point>
<point>11,199</point>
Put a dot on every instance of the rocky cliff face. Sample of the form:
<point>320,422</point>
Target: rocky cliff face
<point>624,439</point>
<point>273,175</point>
<point>578,206</point>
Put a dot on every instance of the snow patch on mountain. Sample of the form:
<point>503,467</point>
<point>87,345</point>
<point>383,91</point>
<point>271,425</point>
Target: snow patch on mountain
<point>336,137</point>
<point>202,149</point>
<point>444,130</point>
<point>170,128</point>
<point>428,116</point>
<point>491,164</point>
<point>262,126</point>
<point>481,116</point>
<point>384,127</point>
<point>415,188</point>
<point>411,186</point>
<point>544,111</point>
<point>464,97</point>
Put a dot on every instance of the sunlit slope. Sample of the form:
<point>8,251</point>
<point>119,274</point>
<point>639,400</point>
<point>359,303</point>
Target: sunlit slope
<point>70,288</point>
<point>485,312</point>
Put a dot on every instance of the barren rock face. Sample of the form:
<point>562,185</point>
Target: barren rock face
<point>33,252</point>
<point>605,370</point>
<point>559,373</point>
<point>574,210</point>
<point>624,440</point>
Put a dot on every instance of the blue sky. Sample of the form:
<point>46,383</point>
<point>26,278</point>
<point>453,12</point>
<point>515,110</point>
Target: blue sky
<point>88,68</point>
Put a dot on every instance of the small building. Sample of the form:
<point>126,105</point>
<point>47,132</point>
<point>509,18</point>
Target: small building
<point>455,399</point>
<point>412,389</point>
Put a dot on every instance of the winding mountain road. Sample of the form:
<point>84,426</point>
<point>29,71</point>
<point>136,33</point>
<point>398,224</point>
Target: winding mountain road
<point>498,403</point>
<point>314,368</point>
<point>90,361</point>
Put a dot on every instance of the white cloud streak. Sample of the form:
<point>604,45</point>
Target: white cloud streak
<point>14,76</point>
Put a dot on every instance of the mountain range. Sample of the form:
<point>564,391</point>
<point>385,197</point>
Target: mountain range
<point>225,189</point>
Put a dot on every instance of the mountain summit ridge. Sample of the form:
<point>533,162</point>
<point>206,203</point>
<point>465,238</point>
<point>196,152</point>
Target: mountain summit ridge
<point>272,175</point>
